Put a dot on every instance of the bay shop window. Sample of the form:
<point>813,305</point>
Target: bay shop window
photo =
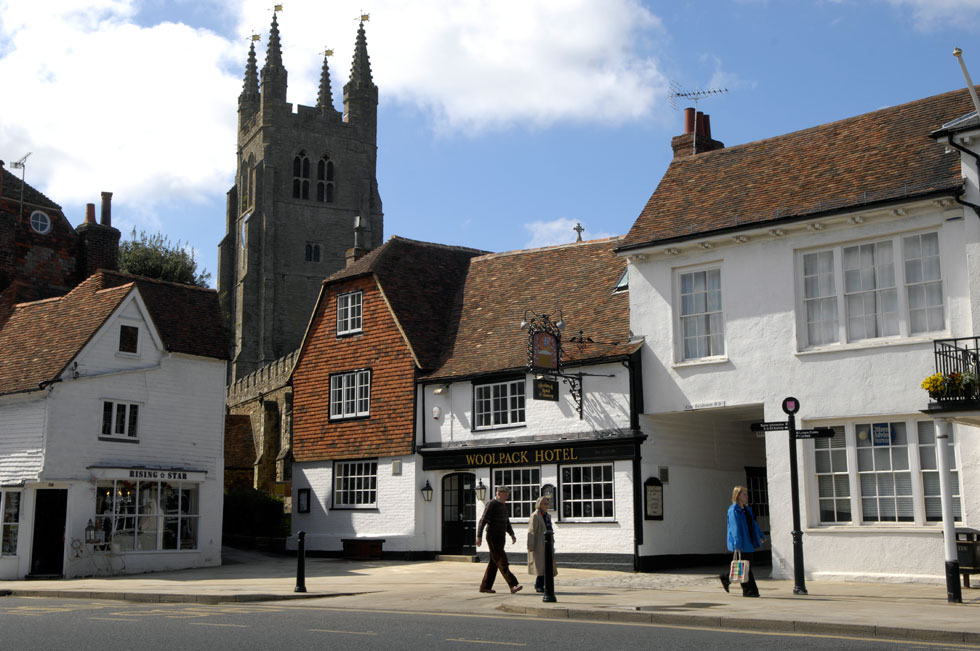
<point>875,472</point>
<point>147,515</point>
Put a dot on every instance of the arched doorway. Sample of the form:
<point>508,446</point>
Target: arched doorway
<point>459,513</point>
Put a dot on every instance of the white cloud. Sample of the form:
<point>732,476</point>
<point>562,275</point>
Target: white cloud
<point>485,64</point>
<point>934,14</point>
<point>108,97</point>
<point>105,104</point>
<point>557,231</point>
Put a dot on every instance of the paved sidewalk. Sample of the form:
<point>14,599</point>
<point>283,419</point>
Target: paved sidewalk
<point>684,598</point>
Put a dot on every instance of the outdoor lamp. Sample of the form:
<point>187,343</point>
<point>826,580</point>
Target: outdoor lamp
<point>427,491</point>
<point>481,490</point>
<point>90,537</point>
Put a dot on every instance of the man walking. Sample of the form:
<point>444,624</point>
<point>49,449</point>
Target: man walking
<point>497,521</point>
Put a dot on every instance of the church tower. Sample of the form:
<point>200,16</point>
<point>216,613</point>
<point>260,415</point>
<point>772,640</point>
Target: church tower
<point>302,178</point>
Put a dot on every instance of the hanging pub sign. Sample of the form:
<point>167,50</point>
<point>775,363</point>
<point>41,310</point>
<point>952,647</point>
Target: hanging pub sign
<point>545,389</point>
<point>544,347</point>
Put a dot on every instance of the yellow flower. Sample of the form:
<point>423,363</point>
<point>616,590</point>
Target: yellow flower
<point>935,383</point>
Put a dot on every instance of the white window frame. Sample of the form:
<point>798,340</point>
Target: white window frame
<point>525,488</point>
<point>503,404</point>
<point>40,222</point>
<point>694,314</point>
<point>907,275</point>
<point>126,410</point>
<point>10,526</point>
<point>129,353</point>
<point>582,476</point>
<point>350,312</point>
<point>853,474</point>
<point>361,488</point>
<point>350,394</point>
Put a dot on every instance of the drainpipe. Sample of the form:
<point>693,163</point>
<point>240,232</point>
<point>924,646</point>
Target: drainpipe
<point>951,141</point>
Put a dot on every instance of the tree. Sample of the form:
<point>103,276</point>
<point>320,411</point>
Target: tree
<point>154,256</point>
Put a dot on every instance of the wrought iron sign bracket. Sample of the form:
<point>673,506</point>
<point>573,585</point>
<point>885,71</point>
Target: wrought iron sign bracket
<point>574,383</point>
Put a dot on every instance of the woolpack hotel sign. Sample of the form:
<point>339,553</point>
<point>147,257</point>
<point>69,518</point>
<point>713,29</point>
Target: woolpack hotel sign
<point>528,455</point>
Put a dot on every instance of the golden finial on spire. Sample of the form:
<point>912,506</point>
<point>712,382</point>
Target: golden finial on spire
<point>255,37</point>
<point>365,17</point>
<point>328,52</point>
<point>277,7</point>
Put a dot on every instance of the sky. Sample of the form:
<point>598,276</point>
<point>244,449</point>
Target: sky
<point>502,123</point>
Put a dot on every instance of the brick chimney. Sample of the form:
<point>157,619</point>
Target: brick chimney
<point>98,244</point>
<point>696,138</point>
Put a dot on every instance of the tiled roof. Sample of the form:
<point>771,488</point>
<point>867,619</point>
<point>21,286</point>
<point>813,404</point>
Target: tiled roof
<point>881,156</point>
<point>39,339</point>
<point>188,317</point>
<point>11,190</point>
<point>421,281</point>
<point>577,279</point>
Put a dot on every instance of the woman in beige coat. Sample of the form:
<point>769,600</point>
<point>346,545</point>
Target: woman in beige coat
<point>539,523</point>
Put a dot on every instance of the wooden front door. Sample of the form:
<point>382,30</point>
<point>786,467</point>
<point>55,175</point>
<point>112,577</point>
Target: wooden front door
<point>459,513</point>
<point>48,550</point>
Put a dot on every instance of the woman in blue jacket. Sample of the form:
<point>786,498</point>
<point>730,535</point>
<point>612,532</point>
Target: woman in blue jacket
<point>744,535</point>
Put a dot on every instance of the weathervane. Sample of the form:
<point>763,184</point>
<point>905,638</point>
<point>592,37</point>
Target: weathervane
<point>365,17</point>
<point>276,8</point>
<point>695,95</point>
<point>328,52</point>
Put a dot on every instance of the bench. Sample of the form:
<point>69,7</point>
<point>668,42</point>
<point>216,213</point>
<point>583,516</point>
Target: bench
<point>362,549</point>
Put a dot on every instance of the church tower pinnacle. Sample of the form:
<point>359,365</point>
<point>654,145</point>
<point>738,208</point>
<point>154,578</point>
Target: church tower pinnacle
<point>360,93</point>
<point>324,98</point>
<point>248,101</point>
<point>273,72</point>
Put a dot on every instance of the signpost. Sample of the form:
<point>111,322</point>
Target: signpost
<point>790,407</point>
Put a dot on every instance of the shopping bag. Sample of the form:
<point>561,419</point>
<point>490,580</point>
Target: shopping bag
<point>739,571</point>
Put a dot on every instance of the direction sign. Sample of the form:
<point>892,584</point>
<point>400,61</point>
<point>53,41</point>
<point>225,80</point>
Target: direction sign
<point>818,433</point>
<point>770,426</point>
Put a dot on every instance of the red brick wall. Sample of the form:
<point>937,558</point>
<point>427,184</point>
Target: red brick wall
<point>380,347</point>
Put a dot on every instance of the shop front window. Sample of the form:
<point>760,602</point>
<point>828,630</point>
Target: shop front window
<point>147,515</point>
<point>10,522</point>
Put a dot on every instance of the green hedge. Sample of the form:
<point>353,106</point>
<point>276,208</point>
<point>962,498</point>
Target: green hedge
<point>251,512</point>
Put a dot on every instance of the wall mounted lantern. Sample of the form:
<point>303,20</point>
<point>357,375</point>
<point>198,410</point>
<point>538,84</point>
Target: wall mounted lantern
<point>481,491</point>
<point>90,536</point>
<point>427,491</point>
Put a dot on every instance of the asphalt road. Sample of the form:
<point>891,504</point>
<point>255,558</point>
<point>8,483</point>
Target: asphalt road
<point>77,625</point>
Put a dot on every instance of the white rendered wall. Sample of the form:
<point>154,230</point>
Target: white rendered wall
<point>400,515</point>
<point>763,365</point>
<point>606,406</point>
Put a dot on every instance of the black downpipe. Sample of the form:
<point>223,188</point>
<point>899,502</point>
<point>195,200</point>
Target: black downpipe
<point>634,366</point>
<point>415,407</point>
<point>952,143</point>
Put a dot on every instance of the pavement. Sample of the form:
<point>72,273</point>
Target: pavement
<point>685,598</point>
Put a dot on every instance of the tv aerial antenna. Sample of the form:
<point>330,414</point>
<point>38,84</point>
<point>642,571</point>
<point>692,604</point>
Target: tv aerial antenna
<point>695,95</point>
<point>22,166</point>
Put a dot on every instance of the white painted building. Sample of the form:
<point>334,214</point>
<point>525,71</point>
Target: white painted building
<point>823,265</point>
<point>111,430</point>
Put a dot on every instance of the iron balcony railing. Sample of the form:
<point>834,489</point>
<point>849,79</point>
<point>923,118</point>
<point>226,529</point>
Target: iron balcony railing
<point>960,358</point>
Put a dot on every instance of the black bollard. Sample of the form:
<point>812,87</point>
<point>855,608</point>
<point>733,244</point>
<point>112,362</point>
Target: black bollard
<point>549,567</point>
<point>301,563</point>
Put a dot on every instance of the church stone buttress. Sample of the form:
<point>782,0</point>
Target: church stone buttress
<point>302,178</point>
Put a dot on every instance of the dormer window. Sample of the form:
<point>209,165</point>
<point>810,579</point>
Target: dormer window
<point>129,338</point>
<point>40,222</point>
<point>349,313</point>
<point>623,283</point>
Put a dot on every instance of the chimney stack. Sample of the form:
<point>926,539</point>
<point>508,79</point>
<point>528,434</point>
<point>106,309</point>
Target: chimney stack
<point>696,138</point>
<point>106,219</point>
<point>90,213</point>
<point>358,251</point>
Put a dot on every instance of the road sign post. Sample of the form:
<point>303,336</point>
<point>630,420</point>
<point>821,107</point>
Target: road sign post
<point>790,407</point>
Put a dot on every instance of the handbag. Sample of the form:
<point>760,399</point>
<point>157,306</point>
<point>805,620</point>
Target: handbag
<point>739,571</point>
